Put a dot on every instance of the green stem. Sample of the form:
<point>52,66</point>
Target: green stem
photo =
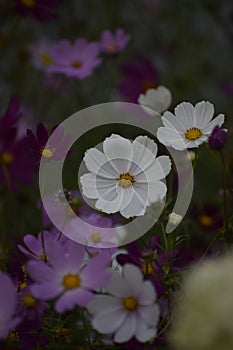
<point>86,328</point>
<point>226,231</point>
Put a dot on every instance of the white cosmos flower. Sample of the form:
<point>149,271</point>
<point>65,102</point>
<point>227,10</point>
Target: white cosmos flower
<point>126,177</point>
<point>129,310</point>
<point>190,126</point>
<point>158,100</point>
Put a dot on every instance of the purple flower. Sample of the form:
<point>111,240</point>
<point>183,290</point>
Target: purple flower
<point>57,147</point>
<point>8,298</point>
<point>41,57</point>
<point>10,117</point>
<point>113,43</point>
<point>75,60</point>
<point>17,163</point>
<point>139,76</point>
<point>24,337</point>
<point>34,247</point>
<point>39,9</point>
<point>29,307</point>
<point>70,279</point>
<point>218,138</point>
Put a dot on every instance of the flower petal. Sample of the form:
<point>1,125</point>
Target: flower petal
<point>108,322</point>
<point>203,113</point>
<point>170,137</point>
<point>219,120</point>
<point>127,329</point>
<point>97,163</point>
<point>117,147</point>
<point>185,114</point>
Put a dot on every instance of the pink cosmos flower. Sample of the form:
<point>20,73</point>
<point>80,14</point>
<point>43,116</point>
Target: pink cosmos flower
<point>8,298</point>
<point>129,310</point>
<point>76,60</point>
<point>113,43</point>
<point>70,279</point>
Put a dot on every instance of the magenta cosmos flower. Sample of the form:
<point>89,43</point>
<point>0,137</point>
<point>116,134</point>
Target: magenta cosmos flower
<point>34,247</point>
<point>112,43</point>
<point>129,309</point>
<point>8,299</point>
<point>139,75</point>
<point>15,160</point>
<point>71,280</point>
<point>56,149</point>
<point>76,60</point>
<point>39,9</point>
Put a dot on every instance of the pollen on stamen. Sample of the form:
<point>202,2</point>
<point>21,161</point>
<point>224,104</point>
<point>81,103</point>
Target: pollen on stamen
<point>193,134</point>
<point>47,152</point>
<point>130,303</point>
<point>76,64</point>
<point>125,180</point>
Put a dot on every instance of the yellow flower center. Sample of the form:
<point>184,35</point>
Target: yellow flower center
<point>46,58</point>
<point>76,64</point>
<point>22,285</point>
<point>130,303</point>
<point>193,134</point>
<point>205,220</point>
<point>47,153</point>
<point>125,180</point>
<point>71,281</point>
<point>7,157</point>
<point>29,301</point>
<point>95,237</point>
<point>111,48</point>
<point>147,268</point>
<point>28,3</point>
<point>14,335</point>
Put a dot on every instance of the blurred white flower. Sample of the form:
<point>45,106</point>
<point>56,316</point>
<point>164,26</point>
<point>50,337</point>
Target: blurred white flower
<point>174,219</point>
<point>129,310</point>
<point>126,177</point>
<point>190,126</point>
<point>203,319</point>
<point>157,100</point>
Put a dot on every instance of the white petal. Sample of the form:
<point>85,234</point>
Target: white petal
<point>106,188</point>
<point>171,121</point>
<point>149,314</point>
<point>203,113</point>
<point>219,120</point>
<point>127,329</point>
<point>142,159</point>
<point>113,206</point>
<point>159,170</point>
<point>170,137</point>
<point>157,191</point>
<point>143,333</point>
<point>116,285</point>
<point>148,143</point>
<point>88,182</point>
<point>185,114</point>
<point>94,160</point>
<point>108,322</point>
<point>136,207</point>
<point>133,278</point>
<point>118,148</point>
<point>104,303</point>
<point>148,294</point>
